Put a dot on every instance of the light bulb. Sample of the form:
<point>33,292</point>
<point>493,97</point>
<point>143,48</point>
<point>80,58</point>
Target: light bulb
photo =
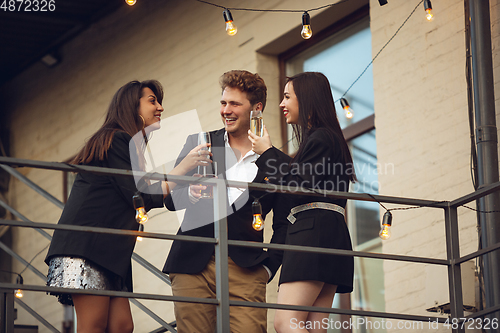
<point>428,10</point>
<point>306,32</point>
<point>19,280</point>
<point>130,2</point>
<point>258,221</point>
<point>231,29</point>
<point>141,216</point>
<point>349,113</point>
<point>141,228</point>
<point>385,232</point>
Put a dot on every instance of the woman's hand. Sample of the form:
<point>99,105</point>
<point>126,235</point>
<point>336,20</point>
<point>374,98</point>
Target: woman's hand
<point>260,144</point>
<point>197,156</point>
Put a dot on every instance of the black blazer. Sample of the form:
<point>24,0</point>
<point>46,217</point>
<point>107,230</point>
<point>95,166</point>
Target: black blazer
<point>319,166</point>
<point>190,257</point>
<point>104,201</point>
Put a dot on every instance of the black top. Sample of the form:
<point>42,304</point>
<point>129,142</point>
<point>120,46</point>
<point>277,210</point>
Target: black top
<point>190,257</point>
<point>320,166</point>
<point>104,201</point>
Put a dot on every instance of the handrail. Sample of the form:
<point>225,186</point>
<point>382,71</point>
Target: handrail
<point>251,186</point>
<point>221,243</point>
<point>213,301</point>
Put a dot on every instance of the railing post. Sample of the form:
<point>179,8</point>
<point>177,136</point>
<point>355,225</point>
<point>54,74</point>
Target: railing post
<point>6,311</point>
<point>454,271</point>
<point>221,256</point>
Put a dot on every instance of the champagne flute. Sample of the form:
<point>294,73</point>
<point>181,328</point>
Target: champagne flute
<point>204,137</point>
<point>211,172</point>
<point>256,122</point>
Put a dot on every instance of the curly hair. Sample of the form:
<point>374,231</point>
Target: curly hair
<point>251,84</point>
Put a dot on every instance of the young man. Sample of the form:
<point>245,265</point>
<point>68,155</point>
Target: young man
<point>191,265</point>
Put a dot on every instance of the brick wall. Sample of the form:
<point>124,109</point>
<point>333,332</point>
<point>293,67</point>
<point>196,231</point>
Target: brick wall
<point>422,128</point>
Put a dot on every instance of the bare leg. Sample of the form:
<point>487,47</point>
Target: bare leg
<point>91,313</point>
<point>119,316</point>
<point>325,300</point>
<point>296,293</point>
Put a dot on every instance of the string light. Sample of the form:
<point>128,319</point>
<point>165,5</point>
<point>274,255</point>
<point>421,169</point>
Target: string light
<point>141,229</point>
<point>381,2</point>
<point>258,221</point>
<point>231,28</point>
<point>130,2</point>
<point>141,216</point>
<point>306,32</point>
<point>349,113</point>
<point>19,280</point>
<point>428,10</point>
<point>385,232</point>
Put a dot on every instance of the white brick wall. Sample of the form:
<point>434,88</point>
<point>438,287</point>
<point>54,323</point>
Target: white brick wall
<point>422,127</point>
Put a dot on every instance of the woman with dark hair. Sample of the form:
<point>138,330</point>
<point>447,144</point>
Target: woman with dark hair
<point>323,161</point>
<point>84,260</point>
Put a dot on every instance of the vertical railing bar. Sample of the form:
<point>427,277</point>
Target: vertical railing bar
<point>6,310</point>
<point>33,186</point>
<point>36,315</point>
<point>454,270</point>
<point>221,257</point>
<point>152,315</point>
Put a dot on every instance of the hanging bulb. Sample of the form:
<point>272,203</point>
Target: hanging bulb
<point>428,10</point>
<point>141,228</point>
<point>231,29</point>
<point>306,32</point>
<point>18,292</point>
<point>385,232</point>
<point>130,2</point>
<point>141,216</point>
<point>258,221</point>
<point>349,113</point>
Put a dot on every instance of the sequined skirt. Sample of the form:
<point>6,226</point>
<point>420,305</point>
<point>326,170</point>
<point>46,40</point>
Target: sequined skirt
<point>79,273</point>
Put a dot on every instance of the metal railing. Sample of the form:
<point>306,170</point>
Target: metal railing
<point>221,243</point>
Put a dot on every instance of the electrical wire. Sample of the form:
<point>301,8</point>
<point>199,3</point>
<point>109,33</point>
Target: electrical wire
<point>273,10</point>
<point>383,47</point>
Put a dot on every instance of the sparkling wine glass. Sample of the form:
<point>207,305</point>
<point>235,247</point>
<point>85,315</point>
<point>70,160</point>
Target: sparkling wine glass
<point>256,123</point>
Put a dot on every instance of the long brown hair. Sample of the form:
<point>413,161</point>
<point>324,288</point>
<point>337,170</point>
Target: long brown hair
<point>122,115</point>
<point>317,110</point>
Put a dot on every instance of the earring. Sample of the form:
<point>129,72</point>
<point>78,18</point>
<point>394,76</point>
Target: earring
<point>143,121</point>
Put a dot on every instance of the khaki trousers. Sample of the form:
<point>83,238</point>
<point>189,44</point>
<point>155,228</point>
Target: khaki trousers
<point>245,284</point>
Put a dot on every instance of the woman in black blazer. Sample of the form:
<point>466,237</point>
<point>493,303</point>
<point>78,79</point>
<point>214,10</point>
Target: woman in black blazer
<point>83,260</point>
<point>323,161</point>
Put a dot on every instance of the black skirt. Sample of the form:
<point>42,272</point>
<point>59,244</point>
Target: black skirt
<point>319,228</point>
